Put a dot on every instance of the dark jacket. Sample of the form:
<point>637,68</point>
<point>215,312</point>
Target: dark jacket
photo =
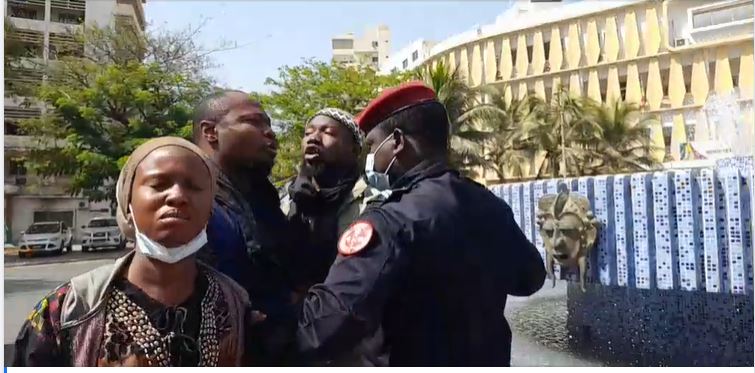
<point>320,226</point>
<point>443,255</point>
<point>248,240</point>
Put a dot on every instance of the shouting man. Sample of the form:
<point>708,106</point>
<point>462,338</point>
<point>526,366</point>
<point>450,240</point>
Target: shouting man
<point>329,192</point>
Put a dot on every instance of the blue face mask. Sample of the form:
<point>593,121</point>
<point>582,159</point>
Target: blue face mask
<point>378,180</point>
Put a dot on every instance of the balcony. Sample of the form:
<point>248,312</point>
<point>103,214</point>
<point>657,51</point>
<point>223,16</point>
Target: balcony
<point>65,45</point>
<point>27,36</point>
<point>35,185</point>
<point>78,5</point>
<point>26,10</point>
<point>28,3</point>
<point>67,17</point>
<point>21,78</point>
<point>18,143</point>
<point>135,10</point>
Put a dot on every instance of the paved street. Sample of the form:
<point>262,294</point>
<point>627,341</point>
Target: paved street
<point>26,285</point>
<point>11,258</point>
<point>542,315</point>
<point>538,328</point>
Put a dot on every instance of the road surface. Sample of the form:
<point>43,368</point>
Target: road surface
<point>543,315</point>
<point>26,285</point>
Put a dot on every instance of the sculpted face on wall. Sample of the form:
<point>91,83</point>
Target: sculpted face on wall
<point>568,229</point>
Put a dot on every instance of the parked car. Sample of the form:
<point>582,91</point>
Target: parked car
<point>100,233</point>
<point>45,237</point>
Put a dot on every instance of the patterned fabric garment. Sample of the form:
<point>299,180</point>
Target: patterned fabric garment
<point>38,343</point>
<point>138,328</point>
<point>139,331</point>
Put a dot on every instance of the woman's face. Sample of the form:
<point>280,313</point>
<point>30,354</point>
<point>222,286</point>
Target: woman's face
<point>172,196</point>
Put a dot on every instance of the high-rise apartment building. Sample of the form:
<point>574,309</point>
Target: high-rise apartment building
<point>371,49</point>
<point>44,28</point>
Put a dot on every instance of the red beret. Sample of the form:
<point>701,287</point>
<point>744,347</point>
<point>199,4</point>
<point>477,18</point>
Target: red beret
<point>393,100</point>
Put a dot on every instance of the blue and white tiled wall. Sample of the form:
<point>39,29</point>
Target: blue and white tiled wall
<point>669,230</point>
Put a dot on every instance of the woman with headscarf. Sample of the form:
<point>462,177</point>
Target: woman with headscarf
<point>157,305</point>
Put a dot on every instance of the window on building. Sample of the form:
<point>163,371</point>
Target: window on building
<point>11,128</point>
<point>722,15</point>
<point>343,44</point>
<point>415,55</point>
<point>70,18</point>
<point>374,44</point>
<point>17,167</point>
<point>343,59</point>
<point>405,64</point>
<point>375,59</point>
<point>20,11</point>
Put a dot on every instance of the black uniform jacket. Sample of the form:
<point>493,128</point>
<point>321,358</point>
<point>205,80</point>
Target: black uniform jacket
<point>432,281</point>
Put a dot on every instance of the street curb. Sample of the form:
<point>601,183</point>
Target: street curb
<point>59,261</point>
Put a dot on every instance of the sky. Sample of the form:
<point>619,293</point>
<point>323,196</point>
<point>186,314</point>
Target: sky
<point>271,34</point>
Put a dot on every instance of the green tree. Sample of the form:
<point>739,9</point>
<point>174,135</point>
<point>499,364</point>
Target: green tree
<point>467,132</point>
<point>505,152</point>
<point>623,143</point>
<point>128,88</point>
<point>577,133</point>
<point>558,135</point>
<point>300,91</point>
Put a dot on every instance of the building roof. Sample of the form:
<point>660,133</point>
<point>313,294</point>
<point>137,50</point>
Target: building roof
<point>525,14</point>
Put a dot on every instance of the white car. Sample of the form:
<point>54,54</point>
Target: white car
<point>45,237</point>
<point>101,232</point>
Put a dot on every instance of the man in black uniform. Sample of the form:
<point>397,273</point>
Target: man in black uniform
<point>431,264</point>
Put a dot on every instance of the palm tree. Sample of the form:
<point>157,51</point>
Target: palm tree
<point>466,139</point>
<point>505,153</point>
<point>624,144</point>
<point>560,135</point>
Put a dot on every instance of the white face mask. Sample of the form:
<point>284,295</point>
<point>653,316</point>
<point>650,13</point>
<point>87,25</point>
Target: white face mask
<point>378,180</point>
<point>155,250</point>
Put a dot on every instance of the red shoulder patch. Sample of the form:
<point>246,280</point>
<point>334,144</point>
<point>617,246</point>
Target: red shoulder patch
<point>355,238</point>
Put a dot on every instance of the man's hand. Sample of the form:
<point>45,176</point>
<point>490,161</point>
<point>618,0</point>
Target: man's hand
<point>258,317</point>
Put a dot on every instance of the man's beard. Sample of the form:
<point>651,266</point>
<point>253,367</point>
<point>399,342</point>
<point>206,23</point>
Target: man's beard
<point>262,171</point>
<point>259,170</point>
<point>324,174</point>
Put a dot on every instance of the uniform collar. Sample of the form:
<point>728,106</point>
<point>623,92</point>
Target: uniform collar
<point>423,170</point>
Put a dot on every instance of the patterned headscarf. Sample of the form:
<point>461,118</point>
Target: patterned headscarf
<point>347,120</point>
<point>126,179</point>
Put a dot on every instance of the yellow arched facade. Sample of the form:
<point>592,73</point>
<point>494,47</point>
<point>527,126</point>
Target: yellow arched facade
<point>619,53</point>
